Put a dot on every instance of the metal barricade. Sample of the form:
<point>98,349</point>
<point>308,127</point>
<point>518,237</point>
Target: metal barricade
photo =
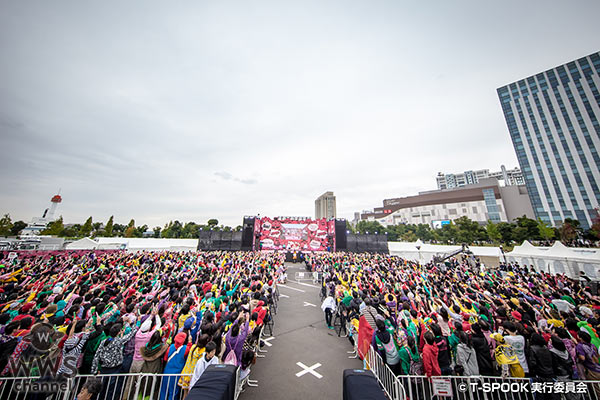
<point>114,387</point>
<point>497,388</point>
<point>303,276</point>
<point>409,387</point>
<point>389,382</point>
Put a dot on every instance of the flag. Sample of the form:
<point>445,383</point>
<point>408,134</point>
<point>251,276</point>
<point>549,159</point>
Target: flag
<point>365,336</point>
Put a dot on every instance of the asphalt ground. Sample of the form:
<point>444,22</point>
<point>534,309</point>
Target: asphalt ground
<point>300,335</point>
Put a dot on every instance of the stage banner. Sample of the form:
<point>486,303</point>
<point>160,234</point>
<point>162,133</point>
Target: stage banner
<point>295,234</point>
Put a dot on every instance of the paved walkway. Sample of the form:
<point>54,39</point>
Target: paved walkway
<point>301,336</point>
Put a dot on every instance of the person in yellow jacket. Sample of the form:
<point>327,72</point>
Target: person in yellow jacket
<point>194,355</point>
<point>507,359</point>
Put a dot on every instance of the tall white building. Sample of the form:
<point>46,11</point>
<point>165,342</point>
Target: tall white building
<point>508,177</point>
<point>38,224</point>
<point>325,206</point>
<point>553,122</point>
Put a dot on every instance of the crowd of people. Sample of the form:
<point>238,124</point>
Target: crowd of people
<point>177,313</point>
<point>459,318</point>
<point>127,313</point>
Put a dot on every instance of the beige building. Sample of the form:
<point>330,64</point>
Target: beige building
<point>325,206</point>
<point>480,202</point>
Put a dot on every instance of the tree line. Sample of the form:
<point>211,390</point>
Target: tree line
<point>173,229</point>
<point>464,230</point>
<point>461,230</point>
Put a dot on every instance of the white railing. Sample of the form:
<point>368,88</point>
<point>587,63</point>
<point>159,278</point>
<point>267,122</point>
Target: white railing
<point>408,387</point>
<point>498,388</point>
<point>114,387</point>
<point>390,383</point>
<point>304,276</point>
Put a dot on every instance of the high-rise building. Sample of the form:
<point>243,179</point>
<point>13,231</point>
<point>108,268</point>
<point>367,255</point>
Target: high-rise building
<point>508,177</point>
<point>553,122</point>
<point>325,206</point>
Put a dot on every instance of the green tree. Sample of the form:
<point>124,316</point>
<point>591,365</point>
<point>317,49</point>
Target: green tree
<point>370,227</point>
<point>349,227</point>
<point>520,234</point>
<point>5,225</point>
<point>190,230</point>
<point>54,228</point>
<point>172,230</point>
<point>530,228</point>
<point>409,236</point>
<point>140,230</point>
<point>157,231</point>
<point>447,233</point>
<point>131,223</point>
<point>17,227</point>
<point>466,230</point>
<point>70,232</point>
<point>482,235</point>
<point>493,232</point>
<point>423,232</point>
<point>86,229</point>
<point>108,229</point>
<point>213,222</point>
<point>118,230</point>
<point>506,230</point>
<point>97,226</point>
<point>238,228</point>
<point>546,232</point>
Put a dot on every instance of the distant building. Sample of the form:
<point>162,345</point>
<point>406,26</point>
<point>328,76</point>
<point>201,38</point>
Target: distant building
<point>480,202</point>
<point>553,120</point>
<point>508,177</point>
<point>325,206</point>
<point>38,224</point>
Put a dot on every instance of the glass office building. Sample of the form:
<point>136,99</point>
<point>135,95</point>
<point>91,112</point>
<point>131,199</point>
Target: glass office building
<point>552,118</point>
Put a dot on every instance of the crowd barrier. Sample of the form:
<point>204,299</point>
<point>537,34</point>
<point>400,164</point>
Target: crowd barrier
<point>498,388</point>
<point>388,381</point>
<point>409,387</point>
<point>115,387</point>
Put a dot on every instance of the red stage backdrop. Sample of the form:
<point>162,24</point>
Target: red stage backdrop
<point>293,234</point>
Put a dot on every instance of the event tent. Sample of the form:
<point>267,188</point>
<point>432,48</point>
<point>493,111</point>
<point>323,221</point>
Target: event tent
<point>82,244</point>
<point>424,252</point>
<point>558,259</point>
<point>156,244</point>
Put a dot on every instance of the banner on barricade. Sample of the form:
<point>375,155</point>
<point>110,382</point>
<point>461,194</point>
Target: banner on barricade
<point>441,387</point>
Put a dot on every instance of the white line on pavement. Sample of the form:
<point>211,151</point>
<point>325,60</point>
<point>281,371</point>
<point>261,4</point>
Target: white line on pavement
<point>306,304</point>
<point>306,284</point>
<point>310,370</point>
<point>289,287</point>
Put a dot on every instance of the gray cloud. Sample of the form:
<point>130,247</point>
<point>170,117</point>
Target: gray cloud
<point>228,177</point>
<point>131,107</point>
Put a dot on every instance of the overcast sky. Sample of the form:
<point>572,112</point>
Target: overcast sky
<point>191,110</point>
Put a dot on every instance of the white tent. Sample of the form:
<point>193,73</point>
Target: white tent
<point>82,244</point>
<point>155,244</point>
<point>424,252</point>
<point>558,259</point>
